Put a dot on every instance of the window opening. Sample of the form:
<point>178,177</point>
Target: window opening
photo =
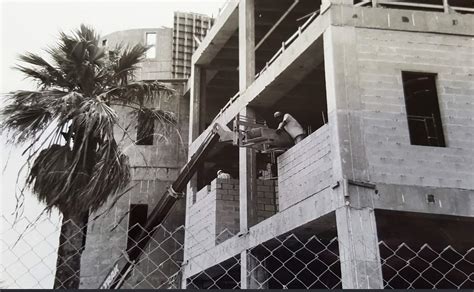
<point>423,114</point>
<point>145,130</point>
<point>151,43</point>
<point>136,222</point>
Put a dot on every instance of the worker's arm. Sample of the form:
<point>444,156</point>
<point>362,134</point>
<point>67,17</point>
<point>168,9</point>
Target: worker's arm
<point>281,126</point>
<point>283,123</point>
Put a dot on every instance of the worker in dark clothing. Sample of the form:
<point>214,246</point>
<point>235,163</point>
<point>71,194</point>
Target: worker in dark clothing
<point>291,126</point>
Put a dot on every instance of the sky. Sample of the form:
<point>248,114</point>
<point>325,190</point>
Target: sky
<point>32,26</point>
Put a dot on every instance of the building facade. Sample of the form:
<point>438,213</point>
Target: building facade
<point>384,177</point>
<point>188,31</point>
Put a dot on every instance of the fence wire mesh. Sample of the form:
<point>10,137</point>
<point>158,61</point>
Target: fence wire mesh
<point>293,260</point>
<point>423,266</point>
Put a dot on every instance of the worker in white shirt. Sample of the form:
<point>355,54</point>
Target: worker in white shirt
<point>291,126</point>
<point>223,175</point>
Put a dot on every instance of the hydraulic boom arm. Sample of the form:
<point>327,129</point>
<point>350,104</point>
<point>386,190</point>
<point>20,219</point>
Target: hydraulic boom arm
<point>124,265</point>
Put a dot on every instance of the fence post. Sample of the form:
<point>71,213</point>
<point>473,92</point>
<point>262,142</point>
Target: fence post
<point>358,248</point>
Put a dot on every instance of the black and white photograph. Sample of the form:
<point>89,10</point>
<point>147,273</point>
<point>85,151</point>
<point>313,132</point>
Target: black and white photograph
<point>237,144</point>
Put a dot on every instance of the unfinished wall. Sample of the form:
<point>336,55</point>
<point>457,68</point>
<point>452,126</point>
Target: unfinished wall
<point>214,217</point>
<point>159,67</point>
<point>305,169</point>
<point>381,56</point>
<point>201,229</point>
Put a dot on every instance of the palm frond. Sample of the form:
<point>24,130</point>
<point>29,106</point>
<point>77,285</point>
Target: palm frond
<point>111,174</point>
<point>28,113</point>
<point>141,93</point>
<point>71,115</point>
<point>43,72</point>
<point>128,62</point>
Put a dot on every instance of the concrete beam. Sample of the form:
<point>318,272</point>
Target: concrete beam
<point>222,30</point>
<point>402,19</point>
<point>305,211</point>
<point>407,198</point>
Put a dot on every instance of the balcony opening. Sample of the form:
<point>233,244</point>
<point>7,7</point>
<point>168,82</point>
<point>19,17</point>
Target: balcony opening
<point>423,114</point>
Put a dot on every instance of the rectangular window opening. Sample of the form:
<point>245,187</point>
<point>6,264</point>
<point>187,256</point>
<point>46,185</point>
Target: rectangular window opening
<point>151,43</point>
<point>136,222</point>
<point>145,130</point>
<point>423,114</point>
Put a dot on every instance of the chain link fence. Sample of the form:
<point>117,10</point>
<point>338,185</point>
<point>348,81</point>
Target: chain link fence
<point>293,260</point>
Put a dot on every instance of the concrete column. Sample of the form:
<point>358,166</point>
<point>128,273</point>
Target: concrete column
<point>446,6</point>
<point>254,273</point>
<point>258,275</point>
<point>358,248</point>
<point>246,43</point>
<point>203,100</point>
<point>356,229</point>
<point>195,103</point>
<point>247,156</point>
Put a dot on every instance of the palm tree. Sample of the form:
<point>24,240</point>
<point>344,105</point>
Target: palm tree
<point>67,126</point>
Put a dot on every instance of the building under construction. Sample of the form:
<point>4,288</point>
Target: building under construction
<point>384,91</point>
<point>379,194</point>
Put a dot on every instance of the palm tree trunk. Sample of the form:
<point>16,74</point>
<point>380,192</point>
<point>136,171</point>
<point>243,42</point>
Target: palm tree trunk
<point>71,244</point>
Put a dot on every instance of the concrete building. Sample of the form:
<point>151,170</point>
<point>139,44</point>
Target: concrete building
<point>384,89</point>
<point>155,159</point>
<point>188,31</point>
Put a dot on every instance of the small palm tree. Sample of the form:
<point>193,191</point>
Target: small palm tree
<point>68,125</point>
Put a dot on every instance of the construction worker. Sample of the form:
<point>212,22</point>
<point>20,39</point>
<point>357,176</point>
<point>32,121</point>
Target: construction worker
<point>291,126</point>
<point>223,175</point>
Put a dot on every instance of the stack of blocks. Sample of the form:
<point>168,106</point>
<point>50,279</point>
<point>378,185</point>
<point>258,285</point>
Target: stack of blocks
<point>305,169</point>
<point>215,214</point>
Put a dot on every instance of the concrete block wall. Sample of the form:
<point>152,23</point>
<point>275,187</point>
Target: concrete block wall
<point>201,230</point>
<point>214,217</point>
<point>305,169</point>
<point>227,208</point>
<point>381,56</point>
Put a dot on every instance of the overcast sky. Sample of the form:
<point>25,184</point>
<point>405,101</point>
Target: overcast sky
<point>33,26</point>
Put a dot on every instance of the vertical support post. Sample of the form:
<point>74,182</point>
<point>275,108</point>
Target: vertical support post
<point>356,229</point>
<point>203,100</point>
<point>195,103</point>
<point>358,248</point>
<point>375,3</point>
<point>446,6</point>
<point>252,272</point>
<point>247,156</point>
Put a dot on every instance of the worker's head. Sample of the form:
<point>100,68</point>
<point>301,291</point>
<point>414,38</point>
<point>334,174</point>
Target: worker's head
<point>277,115</point>
<point>219,172</point>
